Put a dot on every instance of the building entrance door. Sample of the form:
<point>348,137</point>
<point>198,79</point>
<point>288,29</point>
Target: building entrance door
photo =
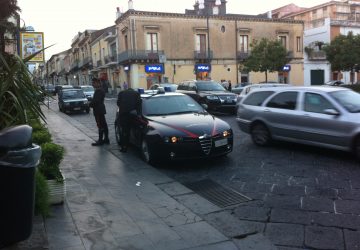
<point>317,77</point>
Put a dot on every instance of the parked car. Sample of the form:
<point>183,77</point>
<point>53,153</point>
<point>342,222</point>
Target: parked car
<point>71,100</point>
<point>334,83</point>
<point>246,90</point>
<point>238,88</point>
<point>88,91</point>
<point>173,126</point>
<point>172,87</point>
<point>211,93</point>
<point>49,89</point>
<point>321,116</point>
<point>58,88</point>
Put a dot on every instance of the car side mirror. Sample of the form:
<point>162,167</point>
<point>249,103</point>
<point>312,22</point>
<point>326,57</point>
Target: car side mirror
<point>205,106</point>
<point>331,112</point>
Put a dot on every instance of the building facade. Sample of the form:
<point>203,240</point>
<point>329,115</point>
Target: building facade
<point>322,24</point>
<point>169,47</point>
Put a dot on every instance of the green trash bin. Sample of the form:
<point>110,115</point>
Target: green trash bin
<point>18,161</point>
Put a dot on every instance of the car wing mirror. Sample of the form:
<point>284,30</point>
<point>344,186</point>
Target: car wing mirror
<point>331,112</point>
<point>205,106</point>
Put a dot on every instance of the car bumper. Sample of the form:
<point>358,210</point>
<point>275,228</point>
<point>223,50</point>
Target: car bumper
<point>191,150</point>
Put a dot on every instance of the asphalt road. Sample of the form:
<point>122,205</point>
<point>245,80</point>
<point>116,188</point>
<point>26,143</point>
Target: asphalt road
<point>301,197</point>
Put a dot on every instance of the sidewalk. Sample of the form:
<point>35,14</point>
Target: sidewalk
<point>116,201</point>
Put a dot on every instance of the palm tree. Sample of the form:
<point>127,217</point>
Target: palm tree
<point>9,9</point>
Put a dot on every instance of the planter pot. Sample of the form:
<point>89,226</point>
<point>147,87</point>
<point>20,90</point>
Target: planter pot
<point>57,192</point>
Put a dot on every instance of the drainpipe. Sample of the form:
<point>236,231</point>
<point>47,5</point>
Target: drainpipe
<point>236,51</point>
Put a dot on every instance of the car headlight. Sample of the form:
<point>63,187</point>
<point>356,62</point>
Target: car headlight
<point>212,97</point>
<point>172,139</point>
<point>226,133</point>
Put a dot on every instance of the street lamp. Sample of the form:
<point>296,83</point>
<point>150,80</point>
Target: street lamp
<point>215,11</point>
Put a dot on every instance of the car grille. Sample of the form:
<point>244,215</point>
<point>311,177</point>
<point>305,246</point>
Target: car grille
<point>227,97</point>
<point>206,144</point>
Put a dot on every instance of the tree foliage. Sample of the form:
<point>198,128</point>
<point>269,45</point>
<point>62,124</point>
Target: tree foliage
<point>9,8</point>
<point>266,55</point>
<point>343,52</point>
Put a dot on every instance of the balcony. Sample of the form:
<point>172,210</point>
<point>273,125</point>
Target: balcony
<point>98,63</point>
<point>74,65</point>
<point>86,61</point>
<point>110,60</point>
<point>203,55</point>
<point>241,55</point>
<point>133,55</point>
<point>317,55</point>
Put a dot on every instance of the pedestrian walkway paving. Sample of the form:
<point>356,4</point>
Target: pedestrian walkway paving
<point>116,201</point>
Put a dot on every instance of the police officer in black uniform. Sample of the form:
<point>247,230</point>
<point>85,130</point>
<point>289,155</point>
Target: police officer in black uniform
<point>128,100</point>
<point>97,103</point>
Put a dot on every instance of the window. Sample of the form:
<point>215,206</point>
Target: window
<point>152,41</point>
<point>298,44</point>
<point>284,100</point>
<point>126,42</point>
<point>283,41</point>
<point>201,42</point>
<point>257,98</point>
<point>113,49</point>
<point>316,103</point>
<point>244,43</point>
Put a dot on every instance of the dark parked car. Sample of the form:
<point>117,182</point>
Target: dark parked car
<point>334,83</point>
<point>58,88</point>
<point>71,100</point>
<point>50,89</point>
<point>211,93</point>
<point>173,126</point>
<point>321,116</point>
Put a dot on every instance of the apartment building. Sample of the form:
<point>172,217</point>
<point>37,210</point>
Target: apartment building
<point>145,47</point>
<point>322,24</point>
<point>171,47</point>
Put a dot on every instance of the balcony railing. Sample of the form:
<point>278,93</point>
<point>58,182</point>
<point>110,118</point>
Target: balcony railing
<point>110,59</point>
<point>74,65</point>
<point>130,55</point>
<point>203,55</point>
<point>85,61</point>
<point>98,63</point>
<point>241,55</point>
<point>290,54</point>
<point>317,55</point>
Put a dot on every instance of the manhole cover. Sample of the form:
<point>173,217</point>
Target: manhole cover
<point>216,193</point>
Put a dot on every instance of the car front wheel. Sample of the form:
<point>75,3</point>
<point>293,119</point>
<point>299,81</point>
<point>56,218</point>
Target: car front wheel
<point>357,147</point>
<point>145,152</point>
<point>260,135</point>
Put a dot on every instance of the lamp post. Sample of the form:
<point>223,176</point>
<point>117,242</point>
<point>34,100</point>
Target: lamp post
<point>206,6</point>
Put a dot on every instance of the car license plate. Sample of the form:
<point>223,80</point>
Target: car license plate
<point>77,108</point>
<point>221,142</point>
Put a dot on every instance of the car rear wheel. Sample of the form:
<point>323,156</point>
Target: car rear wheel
<point>117,133</point>
<point>260,135</point>
<point>145,152</point>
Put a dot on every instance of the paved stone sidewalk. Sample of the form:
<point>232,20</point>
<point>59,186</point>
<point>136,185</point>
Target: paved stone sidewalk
<point>116,201</point>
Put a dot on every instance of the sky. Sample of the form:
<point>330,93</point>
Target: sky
<point>62,20</point>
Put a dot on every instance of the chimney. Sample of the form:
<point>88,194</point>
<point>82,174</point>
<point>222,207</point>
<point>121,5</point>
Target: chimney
<point>118,12</point>
<point>131,5</point>
<point>269,14</point>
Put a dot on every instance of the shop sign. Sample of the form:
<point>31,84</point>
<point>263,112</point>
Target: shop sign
<point>202,67</point>
<point>286,68</point>
<point>154,68</point>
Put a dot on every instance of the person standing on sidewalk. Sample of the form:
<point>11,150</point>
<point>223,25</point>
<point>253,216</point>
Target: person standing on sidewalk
<point>98,106</point>
<point>128,100</point>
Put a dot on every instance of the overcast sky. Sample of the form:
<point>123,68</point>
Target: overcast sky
<point>61,20</point>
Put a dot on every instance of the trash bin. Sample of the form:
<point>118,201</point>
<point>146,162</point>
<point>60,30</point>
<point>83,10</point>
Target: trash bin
<point>18,161</point>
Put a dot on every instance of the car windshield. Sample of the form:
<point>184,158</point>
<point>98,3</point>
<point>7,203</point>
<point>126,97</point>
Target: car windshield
<point>209,86</point>
<point>170,105</point>
<point>349,99</point>
<point>88,88</point>
<point>71,94</point>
